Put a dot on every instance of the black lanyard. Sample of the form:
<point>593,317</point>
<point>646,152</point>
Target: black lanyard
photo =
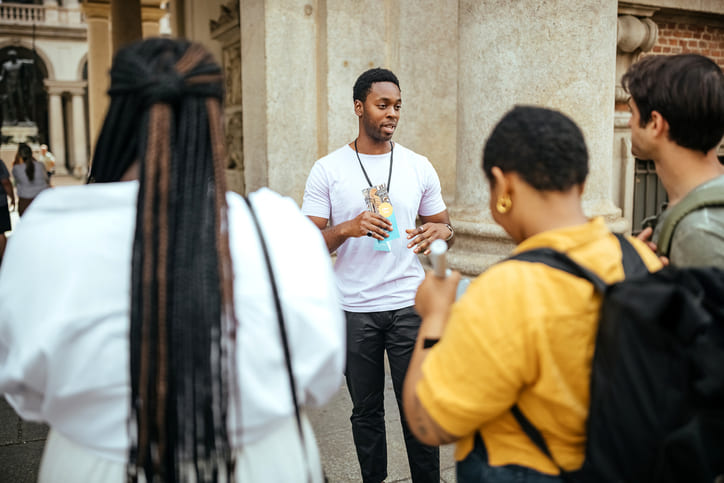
<point>389,176</point>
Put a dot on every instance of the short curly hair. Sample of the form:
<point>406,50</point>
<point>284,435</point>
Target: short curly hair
<point>364,82</point>
<point>545,147</point>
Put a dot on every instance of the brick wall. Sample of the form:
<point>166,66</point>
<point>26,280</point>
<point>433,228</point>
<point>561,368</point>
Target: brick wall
<point>682,37</point>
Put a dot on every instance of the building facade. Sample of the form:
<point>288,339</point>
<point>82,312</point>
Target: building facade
<point>462,64</point>
<point>290,66</point>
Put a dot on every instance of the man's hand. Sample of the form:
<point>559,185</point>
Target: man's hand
<point>368,222</point>
<point>645,236</point>
<point>425,234</point>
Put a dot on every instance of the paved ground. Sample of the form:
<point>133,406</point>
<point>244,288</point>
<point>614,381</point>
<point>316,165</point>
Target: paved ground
<point>21,443</point>
<point>334,434</point>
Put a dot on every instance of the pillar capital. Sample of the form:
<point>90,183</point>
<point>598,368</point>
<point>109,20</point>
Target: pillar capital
<point>637,10</point>
<point>97,11</point>
<point>152,14</point>
<point>56,87</point>
<point>633,33</point>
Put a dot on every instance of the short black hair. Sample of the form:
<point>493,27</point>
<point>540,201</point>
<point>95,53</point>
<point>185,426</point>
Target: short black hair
<point>545,147</point>
<point>364,82</point>
<point>687,90</point>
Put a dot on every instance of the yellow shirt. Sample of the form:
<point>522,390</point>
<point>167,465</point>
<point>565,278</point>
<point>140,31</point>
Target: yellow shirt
<point>524,333</point>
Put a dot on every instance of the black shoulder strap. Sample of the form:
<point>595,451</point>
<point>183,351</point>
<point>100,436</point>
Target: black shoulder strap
<point>282,326</point>
<point>633,265</point>
<point>631,261</point>
<point>534,435</point>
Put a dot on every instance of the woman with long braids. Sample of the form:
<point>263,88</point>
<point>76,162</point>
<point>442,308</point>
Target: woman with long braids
<point>30,176</point>
<point>158,354</point>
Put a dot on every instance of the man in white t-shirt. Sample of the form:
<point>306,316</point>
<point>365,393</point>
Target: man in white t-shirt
<point>365,198</point>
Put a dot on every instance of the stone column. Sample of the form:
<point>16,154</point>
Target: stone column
<point>150,21</point>
<point>226,31</point>
<point>636,33</point>
<point>558,54</point>
<point>99,64</point>
<point>79,143</point>
<point>56,123</point>
<point>126,22</point>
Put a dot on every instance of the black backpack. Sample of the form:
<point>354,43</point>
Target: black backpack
<point>657,376</point>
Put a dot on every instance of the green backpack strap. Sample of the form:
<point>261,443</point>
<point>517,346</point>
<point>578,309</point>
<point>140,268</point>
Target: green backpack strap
<point>700,198</point>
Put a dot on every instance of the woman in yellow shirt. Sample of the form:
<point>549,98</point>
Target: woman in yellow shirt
<point>523,333</point>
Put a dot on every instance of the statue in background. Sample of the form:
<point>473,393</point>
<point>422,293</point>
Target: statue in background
<point>15,99</point>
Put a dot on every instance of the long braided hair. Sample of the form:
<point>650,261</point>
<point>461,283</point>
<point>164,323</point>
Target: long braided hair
<point>165,113</point>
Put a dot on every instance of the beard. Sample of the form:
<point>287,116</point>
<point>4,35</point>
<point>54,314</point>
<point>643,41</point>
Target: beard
<point>376,132</point>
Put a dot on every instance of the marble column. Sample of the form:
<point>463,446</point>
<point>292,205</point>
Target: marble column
<point>126,22</point>
<point>150,21</point>
<point>77,143</point>
<point>558,54</point>
<point>99,64</point>
<point>56,123</point>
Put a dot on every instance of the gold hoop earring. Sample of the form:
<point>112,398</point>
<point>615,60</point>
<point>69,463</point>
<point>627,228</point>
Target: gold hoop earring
<point>504,204</point>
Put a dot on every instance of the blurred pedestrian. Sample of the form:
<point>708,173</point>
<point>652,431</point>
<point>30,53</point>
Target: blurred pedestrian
<point>30,176</point>
<point>6,191</point>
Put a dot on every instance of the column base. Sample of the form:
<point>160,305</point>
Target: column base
<point>79,172</point>
<point>60,170</point>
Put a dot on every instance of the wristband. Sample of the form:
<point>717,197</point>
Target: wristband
<point>452,232</point>
<point>427,343</point>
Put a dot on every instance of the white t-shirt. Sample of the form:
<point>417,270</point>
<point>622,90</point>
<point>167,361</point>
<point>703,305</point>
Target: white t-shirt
<point>64,320</point>
<point>369,280</point>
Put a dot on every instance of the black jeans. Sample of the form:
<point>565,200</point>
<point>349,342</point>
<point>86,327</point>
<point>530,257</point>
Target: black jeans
<point>476,469</point>
<point>368,336</point>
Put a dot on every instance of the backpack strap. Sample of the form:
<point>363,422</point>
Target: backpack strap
<point>560,261</point>
<point>533,433</point>
<point>633,265</point>
<point>700,198</point>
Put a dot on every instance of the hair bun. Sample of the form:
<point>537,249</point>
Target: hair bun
<point>167,87</point>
